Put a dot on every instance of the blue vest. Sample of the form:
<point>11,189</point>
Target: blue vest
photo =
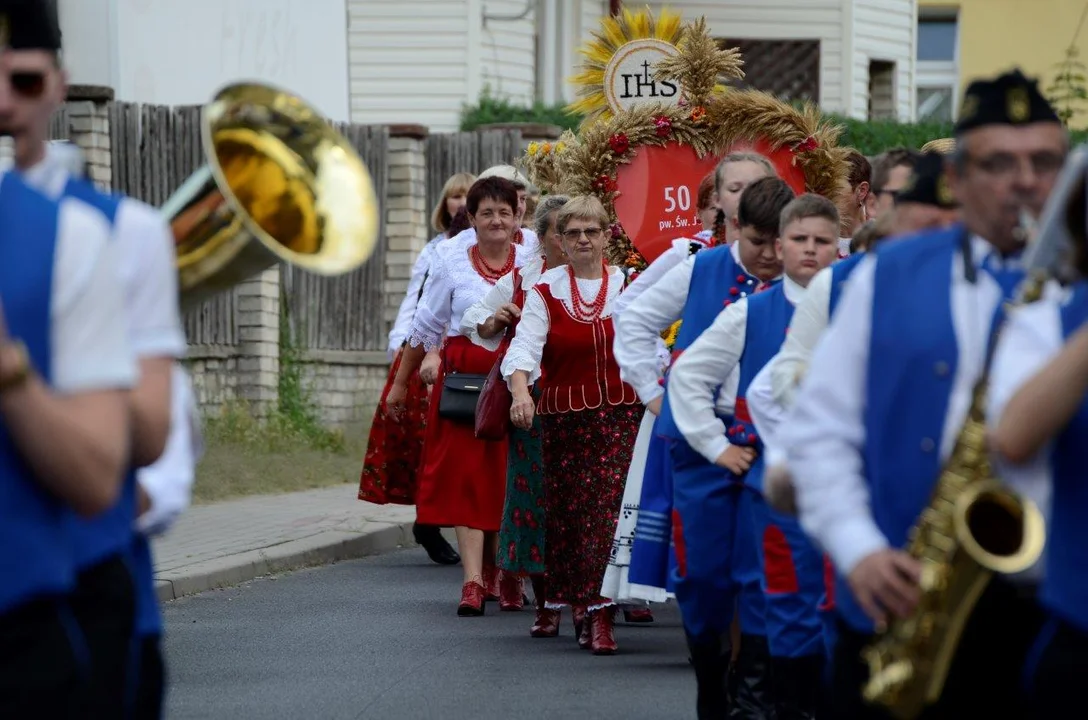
<point>840,273</point>
<point>913,358</point>
<point>1065,590</point>
<point>35,557</point>
<point>717,280</point>
<point>110,532</point>
<point>769,315</point>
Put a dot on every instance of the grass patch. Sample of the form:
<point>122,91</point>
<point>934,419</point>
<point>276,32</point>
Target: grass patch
<point>246,457</point>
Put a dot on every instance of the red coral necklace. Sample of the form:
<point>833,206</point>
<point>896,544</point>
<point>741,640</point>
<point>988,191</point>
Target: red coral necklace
<point>488,273</point>
<point>583,310</point>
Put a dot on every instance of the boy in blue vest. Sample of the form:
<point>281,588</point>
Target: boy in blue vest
<point>745,336</point>
<point>65,370</point>
<point>887,393</point>
<point>114,595</point>
<point>709,583</point>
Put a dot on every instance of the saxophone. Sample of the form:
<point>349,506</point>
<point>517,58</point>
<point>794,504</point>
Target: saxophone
<point>973,527</point>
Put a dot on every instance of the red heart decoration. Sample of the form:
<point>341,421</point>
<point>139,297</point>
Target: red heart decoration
<point>658,196</point>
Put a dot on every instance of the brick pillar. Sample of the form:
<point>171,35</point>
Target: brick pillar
<point>89,127</point>
<point>259,342</point>
<point>407,217</point>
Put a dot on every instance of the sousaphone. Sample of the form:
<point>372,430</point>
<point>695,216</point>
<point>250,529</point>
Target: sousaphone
<point>280,185</point>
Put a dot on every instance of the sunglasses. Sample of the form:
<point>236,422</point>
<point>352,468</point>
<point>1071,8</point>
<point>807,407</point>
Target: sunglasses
<point>28,84</point>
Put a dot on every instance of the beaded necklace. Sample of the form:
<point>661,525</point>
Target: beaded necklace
<point>587,311</point>
<point>484,270</point>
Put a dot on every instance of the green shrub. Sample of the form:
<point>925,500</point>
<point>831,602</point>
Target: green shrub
<point>869,137</point>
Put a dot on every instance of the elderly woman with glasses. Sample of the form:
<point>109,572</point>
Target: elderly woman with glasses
<point>589,416</point>
<point>521,536</point>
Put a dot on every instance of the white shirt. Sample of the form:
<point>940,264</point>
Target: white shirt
<point>90,346</point>
<point>452,287</point>
<point>145,258</point>
<point>500,293</point>
<point>639,328</point>
<point>825,433</point>
<point>767,415</point>
<point>708,362</point>
<point>402,325</point>
<point>168,481</point>
<point>810,319</point>
<point>527,348</point>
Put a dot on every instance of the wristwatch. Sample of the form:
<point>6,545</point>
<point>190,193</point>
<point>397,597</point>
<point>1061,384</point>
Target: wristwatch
<point>14,365</point>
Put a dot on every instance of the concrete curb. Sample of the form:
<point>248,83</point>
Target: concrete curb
<point>320,549</point>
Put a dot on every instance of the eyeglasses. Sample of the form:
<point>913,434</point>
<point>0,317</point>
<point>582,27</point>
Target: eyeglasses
<point>590,233</point>
<point>29,84</point>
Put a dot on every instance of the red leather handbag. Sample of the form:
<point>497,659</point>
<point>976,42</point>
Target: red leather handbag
<point>493,407</point>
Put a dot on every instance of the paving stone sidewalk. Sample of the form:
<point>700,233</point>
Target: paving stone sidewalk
<point>234,541</point>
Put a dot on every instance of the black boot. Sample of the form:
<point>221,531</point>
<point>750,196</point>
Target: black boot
<point>430,538</point>
<point>711,662</point>
<point>798,685</point>
<point>752,698</point>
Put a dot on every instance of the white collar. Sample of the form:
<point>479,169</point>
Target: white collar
<point>986,254</point>
<point>794,291</point>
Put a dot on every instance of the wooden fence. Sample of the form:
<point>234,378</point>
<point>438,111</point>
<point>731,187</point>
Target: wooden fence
<point>155,148</point>
<point>471,152</point>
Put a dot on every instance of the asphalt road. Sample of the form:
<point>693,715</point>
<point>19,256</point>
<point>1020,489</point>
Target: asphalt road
<point>379,638</point>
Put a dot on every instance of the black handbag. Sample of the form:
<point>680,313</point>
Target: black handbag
<point>460,394</point>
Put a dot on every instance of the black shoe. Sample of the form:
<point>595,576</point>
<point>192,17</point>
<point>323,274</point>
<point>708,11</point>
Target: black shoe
<point>751,682</point>
<point>430,538</point>
<point>711,662</point>
<point>798,684</point>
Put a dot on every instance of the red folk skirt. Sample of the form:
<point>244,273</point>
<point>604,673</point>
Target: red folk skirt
<point>462,481</point>
<point>394,449</point>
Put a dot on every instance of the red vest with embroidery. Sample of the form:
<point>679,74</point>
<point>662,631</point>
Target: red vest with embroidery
<point>578,369</point>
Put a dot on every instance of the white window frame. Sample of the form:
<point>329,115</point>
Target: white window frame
<point>939,74</point>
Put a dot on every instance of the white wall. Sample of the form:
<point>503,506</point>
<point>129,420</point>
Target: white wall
<point>178,52</point>
<point>821,20</point>
<point>884,30</point>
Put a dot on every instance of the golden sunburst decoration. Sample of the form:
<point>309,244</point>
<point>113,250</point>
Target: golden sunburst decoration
<point>599,52</point>
<point>701,64</point>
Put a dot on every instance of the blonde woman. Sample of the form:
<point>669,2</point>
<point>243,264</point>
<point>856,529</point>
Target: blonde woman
<point>589,416</point>
<point>395,445</point>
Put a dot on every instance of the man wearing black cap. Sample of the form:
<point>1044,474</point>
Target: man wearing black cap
<point>888,390</point>
<point>114,600</point>
<point>65,368</point>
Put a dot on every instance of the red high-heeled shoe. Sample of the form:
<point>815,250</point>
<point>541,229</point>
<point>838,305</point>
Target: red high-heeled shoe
<point>472,600</point>
<point>583,627</point>
<point>511,594</point>
<point>491,583</point>
<point>603,638</point>
<point>546,622</point>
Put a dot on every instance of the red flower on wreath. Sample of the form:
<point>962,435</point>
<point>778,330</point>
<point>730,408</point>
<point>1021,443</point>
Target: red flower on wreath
<point>604,184</point>
<point>807,145</point>
<point>698,114</point>
<point>616,230</point>
<point>663,125</point>
<point>619,143</point>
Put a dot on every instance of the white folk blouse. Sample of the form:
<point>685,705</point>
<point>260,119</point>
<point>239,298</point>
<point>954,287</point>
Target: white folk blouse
<point>501,293</point>
<point>452,287</point>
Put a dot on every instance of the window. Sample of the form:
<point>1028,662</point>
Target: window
<point>937,79</point>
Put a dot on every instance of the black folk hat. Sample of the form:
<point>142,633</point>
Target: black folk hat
<point>927,184</point>
<point>1009,99</point>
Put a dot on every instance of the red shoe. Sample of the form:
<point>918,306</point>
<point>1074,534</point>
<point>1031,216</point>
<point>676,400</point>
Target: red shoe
<point>511,595</point>
<point>472,600</point>
<point>603,639</point>
<point>546,624</point>
<point>638,615</point>
<point>491,583</point>
<point>583,627</point>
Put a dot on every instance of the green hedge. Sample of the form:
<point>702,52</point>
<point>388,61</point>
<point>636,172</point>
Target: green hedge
<point>870,138</point>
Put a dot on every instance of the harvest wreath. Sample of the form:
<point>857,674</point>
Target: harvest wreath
<point>695,126</point>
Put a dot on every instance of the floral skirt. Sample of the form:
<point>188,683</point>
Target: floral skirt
<point>462,480</point>
<point>587,455</point>
<point>394,449</point>
<point>521,537</point>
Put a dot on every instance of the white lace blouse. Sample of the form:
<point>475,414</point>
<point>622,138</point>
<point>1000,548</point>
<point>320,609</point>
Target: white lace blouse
<point>501,293</point>
<point>527,347</point>
<point>453,286</point>
<point>402,326</point>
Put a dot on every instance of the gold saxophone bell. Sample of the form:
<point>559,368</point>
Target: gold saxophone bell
<point>280,185</point>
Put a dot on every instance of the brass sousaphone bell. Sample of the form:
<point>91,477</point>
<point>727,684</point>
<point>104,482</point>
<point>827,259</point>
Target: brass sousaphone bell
<point>280,185</point>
